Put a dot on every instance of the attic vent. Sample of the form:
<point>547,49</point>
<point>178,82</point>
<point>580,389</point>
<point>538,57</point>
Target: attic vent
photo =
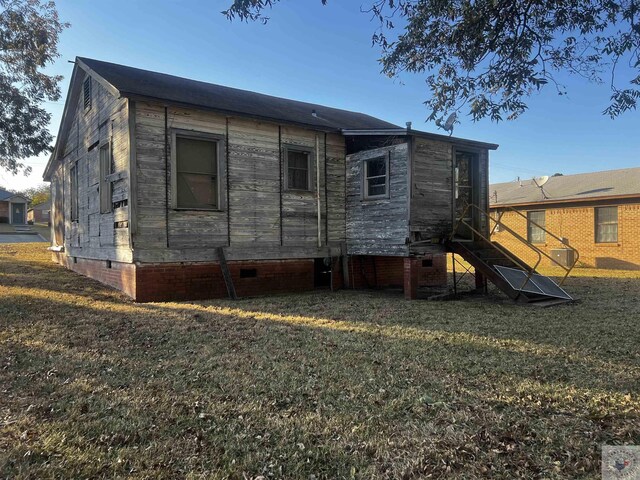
<point>86,88</point>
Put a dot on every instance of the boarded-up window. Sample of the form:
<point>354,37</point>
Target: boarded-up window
<point>536,227</point>
<point>376,177</point>
<point>606,224</point>
<point>74,192</point>
<point>298,170</point>
<point>86,89</point>
<point>196,173</point>
<point>105,183</point>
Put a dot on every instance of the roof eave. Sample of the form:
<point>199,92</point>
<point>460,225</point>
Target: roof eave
<point>418,133</point>
<point>566,200</point>
<point>48,171</point>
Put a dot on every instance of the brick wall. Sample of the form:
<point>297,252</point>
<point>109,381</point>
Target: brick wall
<point>196,281</point>
<point>380,272</point>
<point>201,281</point>
<point>577,224</point>
<point>4,212</point>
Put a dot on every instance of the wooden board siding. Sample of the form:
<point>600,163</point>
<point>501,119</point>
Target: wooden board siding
<point>258,221</point>
<point>378,226</point>
<point>94,234</point>
<point>431,207</point>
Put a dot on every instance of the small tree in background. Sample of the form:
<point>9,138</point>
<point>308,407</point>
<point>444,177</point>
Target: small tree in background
<point>38,195</point>
<point>486,57</point>
<point>29,31</point>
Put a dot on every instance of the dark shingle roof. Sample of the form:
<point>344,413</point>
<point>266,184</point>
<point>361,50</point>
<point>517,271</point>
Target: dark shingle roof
<point>131,81</point>
<point>583,186</point>
<point>5,194</point>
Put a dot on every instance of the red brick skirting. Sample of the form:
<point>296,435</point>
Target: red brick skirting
<point>197,281</point>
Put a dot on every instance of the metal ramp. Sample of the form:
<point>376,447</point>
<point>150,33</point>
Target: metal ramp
<point>536,284</point>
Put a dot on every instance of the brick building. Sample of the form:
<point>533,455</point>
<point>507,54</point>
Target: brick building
<point>597,213</point>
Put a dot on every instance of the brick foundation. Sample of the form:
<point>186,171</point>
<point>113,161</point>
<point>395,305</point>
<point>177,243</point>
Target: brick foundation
<point>380,272</point>
<point>199,281</point>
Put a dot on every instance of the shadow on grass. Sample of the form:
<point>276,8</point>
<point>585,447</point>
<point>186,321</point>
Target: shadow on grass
<point>336,386</point>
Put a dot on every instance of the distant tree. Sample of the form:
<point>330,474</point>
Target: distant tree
<point>29,31</point>
<point>39,194</point>
<point>486,57</point>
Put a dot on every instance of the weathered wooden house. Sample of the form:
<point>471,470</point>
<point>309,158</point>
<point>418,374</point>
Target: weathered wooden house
<point>169,188</point>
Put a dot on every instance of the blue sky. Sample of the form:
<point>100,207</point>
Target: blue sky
<point>324,55</point>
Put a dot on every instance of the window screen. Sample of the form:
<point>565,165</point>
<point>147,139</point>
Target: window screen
<point>375,177</point>
<point>535,227</point>
<point>197,173</point>
<point>86,88</point>
<point>606,224</point>
<point>298,170</point>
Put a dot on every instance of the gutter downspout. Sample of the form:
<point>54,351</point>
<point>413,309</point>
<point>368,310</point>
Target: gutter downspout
<point>318,191</point>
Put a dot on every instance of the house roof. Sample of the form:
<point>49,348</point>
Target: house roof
<point>568,188</point>
<point>135,82</point>
<point>42,206</point>
<point>5,195</point>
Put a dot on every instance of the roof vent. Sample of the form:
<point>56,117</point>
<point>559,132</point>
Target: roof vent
<point>314,114</point>
<point>408,124</point>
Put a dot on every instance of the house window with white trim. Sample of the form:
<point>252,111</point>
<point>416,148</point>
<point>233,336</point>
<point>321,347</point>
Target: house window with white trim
<point>536,224</point>
<point>376,177</point>
<point>606,219</point>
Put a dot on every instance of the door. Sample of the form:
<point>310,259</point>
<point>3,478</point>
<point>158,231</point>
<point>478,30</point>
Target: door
<point>464,194</point>
<point>18,213</point>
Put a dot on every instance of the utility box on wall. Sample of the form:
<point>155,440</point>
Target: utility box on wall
<point>564,256</point>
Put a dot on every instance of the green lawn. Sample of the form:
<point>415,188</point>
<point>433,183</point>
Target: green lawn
<point>352,384</point>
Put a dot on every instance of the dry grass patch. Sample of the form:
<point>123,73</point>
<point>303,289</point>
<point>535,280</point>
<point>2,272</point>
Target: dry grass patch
<point>343,385</point>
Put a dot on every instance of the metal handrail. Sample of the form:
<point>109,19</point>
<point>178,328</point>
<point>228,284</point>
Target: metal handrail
<point>514,259</point>
<point>576,255</point>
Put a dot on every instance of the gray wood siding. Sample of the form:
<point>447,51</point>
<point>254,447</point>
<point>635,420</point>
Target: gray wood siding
<point>431,189</point>
<point>258,221</point>
<point>431,210</point>
<point>94,234</point>
<point>378,226</point>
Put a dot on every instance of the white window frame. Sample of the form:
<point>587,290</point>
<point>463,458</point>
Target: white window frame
<point>531,223</point>
<point>310,152</point>
<point>219,140</point>
<point>595,225</point>
<point>365,177</point>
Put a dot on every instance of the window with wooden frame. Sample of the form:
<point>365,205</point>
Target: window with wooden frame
<point>536,224</point>
<point>73,174</point>
<point>86,93</point>
<point>376,177</point>
<point>197,180</point>
<point>105,183</point>
<point>606,219</point>
<point>298,168</point>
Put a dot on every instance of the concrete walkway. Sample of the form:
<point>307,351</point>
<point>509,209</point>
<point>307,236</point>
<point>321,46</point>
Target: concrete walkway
<point>20,238</point>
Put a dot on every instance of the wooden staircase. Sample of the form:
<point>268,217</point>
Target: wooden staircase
<point>513,276</point>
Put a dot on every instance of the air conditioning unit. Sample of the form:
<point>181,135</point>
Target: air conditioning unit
<point>563,256</point>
